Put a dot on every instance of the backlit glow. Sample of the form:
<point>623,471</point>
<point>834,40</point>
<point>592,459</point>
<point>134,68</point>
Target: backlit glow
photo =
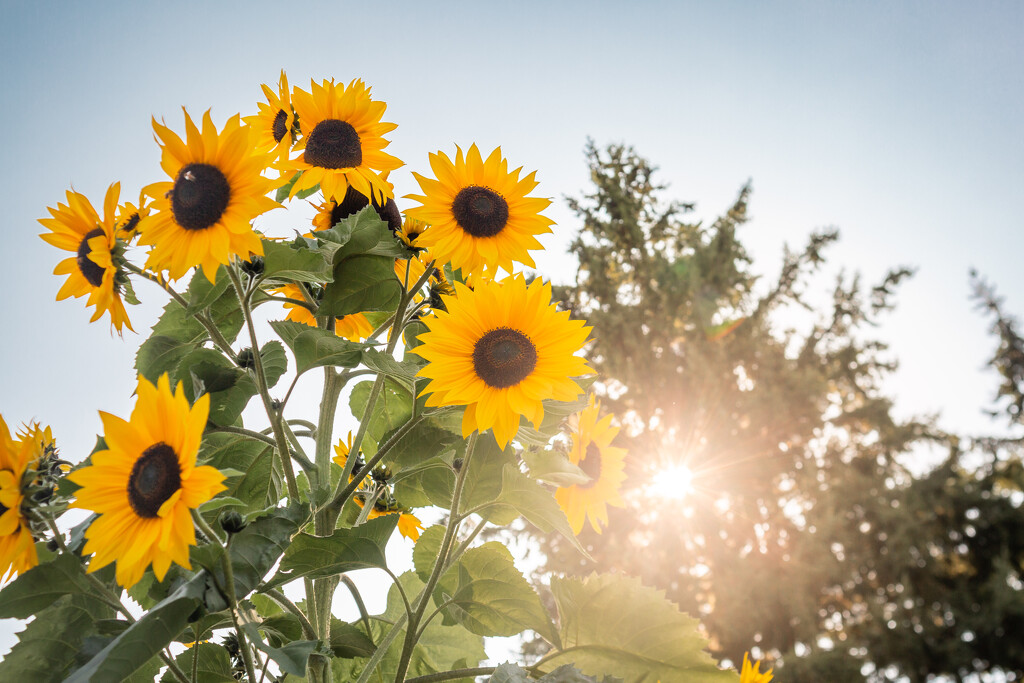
<point>674,482</point>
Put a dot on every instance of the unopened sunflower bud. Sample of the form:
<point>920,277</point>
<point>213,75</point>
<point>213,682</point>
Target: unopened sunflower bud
<point>254,266</point>
<point>246,359</point>
<point>457,464</point>
<point>232,522</point>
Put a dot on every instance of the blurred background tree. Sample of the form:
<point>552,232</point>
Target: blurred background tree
<point>771,490</point>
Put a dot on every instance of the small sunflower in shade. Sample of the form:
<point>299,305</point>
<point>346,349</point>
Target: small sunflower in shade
<point>274,127</point>
<point>342,143</point>
<point>203,216</point>
<point>146,483</point>
<point>96,269</point>
<point>500,350</point>
<point>385,503</point>
<point>479,212</point>
<point>354,327</point>
<point>592,452</point>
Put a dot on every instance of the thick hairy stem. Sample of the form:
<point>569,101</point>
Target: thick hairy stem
<point>229,574</point>
<point>449,535</point>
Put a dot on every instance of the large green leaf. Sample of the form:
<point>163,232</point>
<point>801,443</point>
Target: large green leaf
<point>403,371</point>
<point>347,641</point>
<point>392,409</point>
<point>613,624</point>
<point>314,347</point>
<point>294,261</point>
<point>202,293</point>
<point>490,597</point>
<point>424,554</point>
<point>360,234</point>
<point>429,483</point>
<point>360,547</point>
<point>146,637</point>
<point>40,586</point>
<point>291,657</point>
<point>362,283</point>
<point>260,484</point>
<point>257,548</point>
<point>213,665</point>
<point>49,643</point>
<point>421,443</point>
<point>230,388</point>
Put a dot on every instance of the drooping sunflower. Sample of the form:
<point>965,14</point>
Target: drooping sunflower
<point>355,327</point>
<point>95,269</point>
<point>479,213</point>
<point>17,546</point>
<point>752,673</point>
<point>330,212</point>
<point>202,217</point>
<point>500,349</point>
<point>273,126</point>
<point>592,452</point>
<point>342,141</point>
<point>145,484</point>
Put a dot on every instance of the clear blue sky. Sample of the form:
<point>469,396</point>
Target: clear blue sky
<point>902,124</point>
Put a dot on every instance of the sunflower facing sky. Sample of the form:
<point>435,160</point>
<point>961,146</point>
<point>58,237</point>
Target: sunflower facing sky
<point>17,546</point>
<point>500,350</point>
<point>354,327</point>
<point>94,269</point>
<point>592,452</point>
<point>272,126</point>
<point>479,213</point>
<point>203,216</point>
<point>342,141</point>
<point>145,484</point>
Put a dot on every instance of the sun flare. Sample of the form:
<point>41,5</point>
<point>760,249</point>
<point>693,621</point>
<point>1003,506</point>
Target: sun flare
<point>675,482</point>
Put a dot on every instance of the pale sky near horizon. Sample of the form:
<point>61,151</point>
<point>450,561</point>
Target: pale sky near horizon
<point>901,124</point>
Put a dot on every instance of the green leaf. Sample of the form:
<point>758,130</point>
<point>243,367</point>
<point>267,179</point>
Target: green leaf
<point>348,642</point>
<point>553,467</point>
<point>404,371</point>
<point>291,658</point>
<point>430,483</point>
<point>227,404</point>
<point>492,598</point>
<point>360,547</point>
<point>295,262</point>
<point>257,548</point>
<point>40,586</point>
<point>392,409</point>
<point>202,293</point>
<point>361,283</point>
<point>314,347</point>
<point>146,637</point>
<point>49,643</point>
<point>260,485</point>
<point>424,554</point>
<point>284,190</point>
<point>213,665</point>
<point>613,624</point>
<point>363,233</point>
<point>484,481</point>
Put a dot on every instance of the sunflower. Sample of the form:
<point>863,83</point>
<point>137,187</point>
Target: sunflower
<point>385,504</point>
<point>128,217</point>
<point>479,213</point>
<point>144,485</point>
<point>752,674</point>
<point>330,212</point>
<point>17,546</point>
<point>95,269</point>
<point>203,216</point>
<point>355,327</point>
<point>342,141</point>
<point>500,350</point>
<point>273,127</point>
<point>411,229</point>
<point>593,453</point>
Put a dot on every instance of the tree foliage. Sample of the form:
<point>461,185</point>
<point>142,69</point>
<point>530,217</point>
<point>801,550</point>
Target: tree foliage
<point>805,533</point>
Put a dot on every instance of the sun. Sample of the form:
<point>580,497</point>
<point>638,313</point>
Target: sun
<point>674,482</point>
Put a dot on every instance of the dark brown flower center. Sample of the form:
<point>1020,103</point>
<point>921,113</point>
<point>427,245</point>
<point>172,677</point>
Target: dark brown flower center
<point>354,201</point>
<point>280,127</point>
<point>480,211</point>
<point>129,225</point>
<point>90,271</point>
<point>504,357</point>
<point>591,465</point>
<point>201,194</point>
<point>155,477</point>
<point>333,144</point>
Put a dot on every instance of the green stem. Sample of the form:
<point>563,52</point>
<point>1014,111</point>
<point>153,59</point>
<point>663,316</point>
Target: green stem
<point>229,574</point>
<point>439,565</point>
<point>351,586</point>
<point>454,673</point>
<point>261,383</point>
